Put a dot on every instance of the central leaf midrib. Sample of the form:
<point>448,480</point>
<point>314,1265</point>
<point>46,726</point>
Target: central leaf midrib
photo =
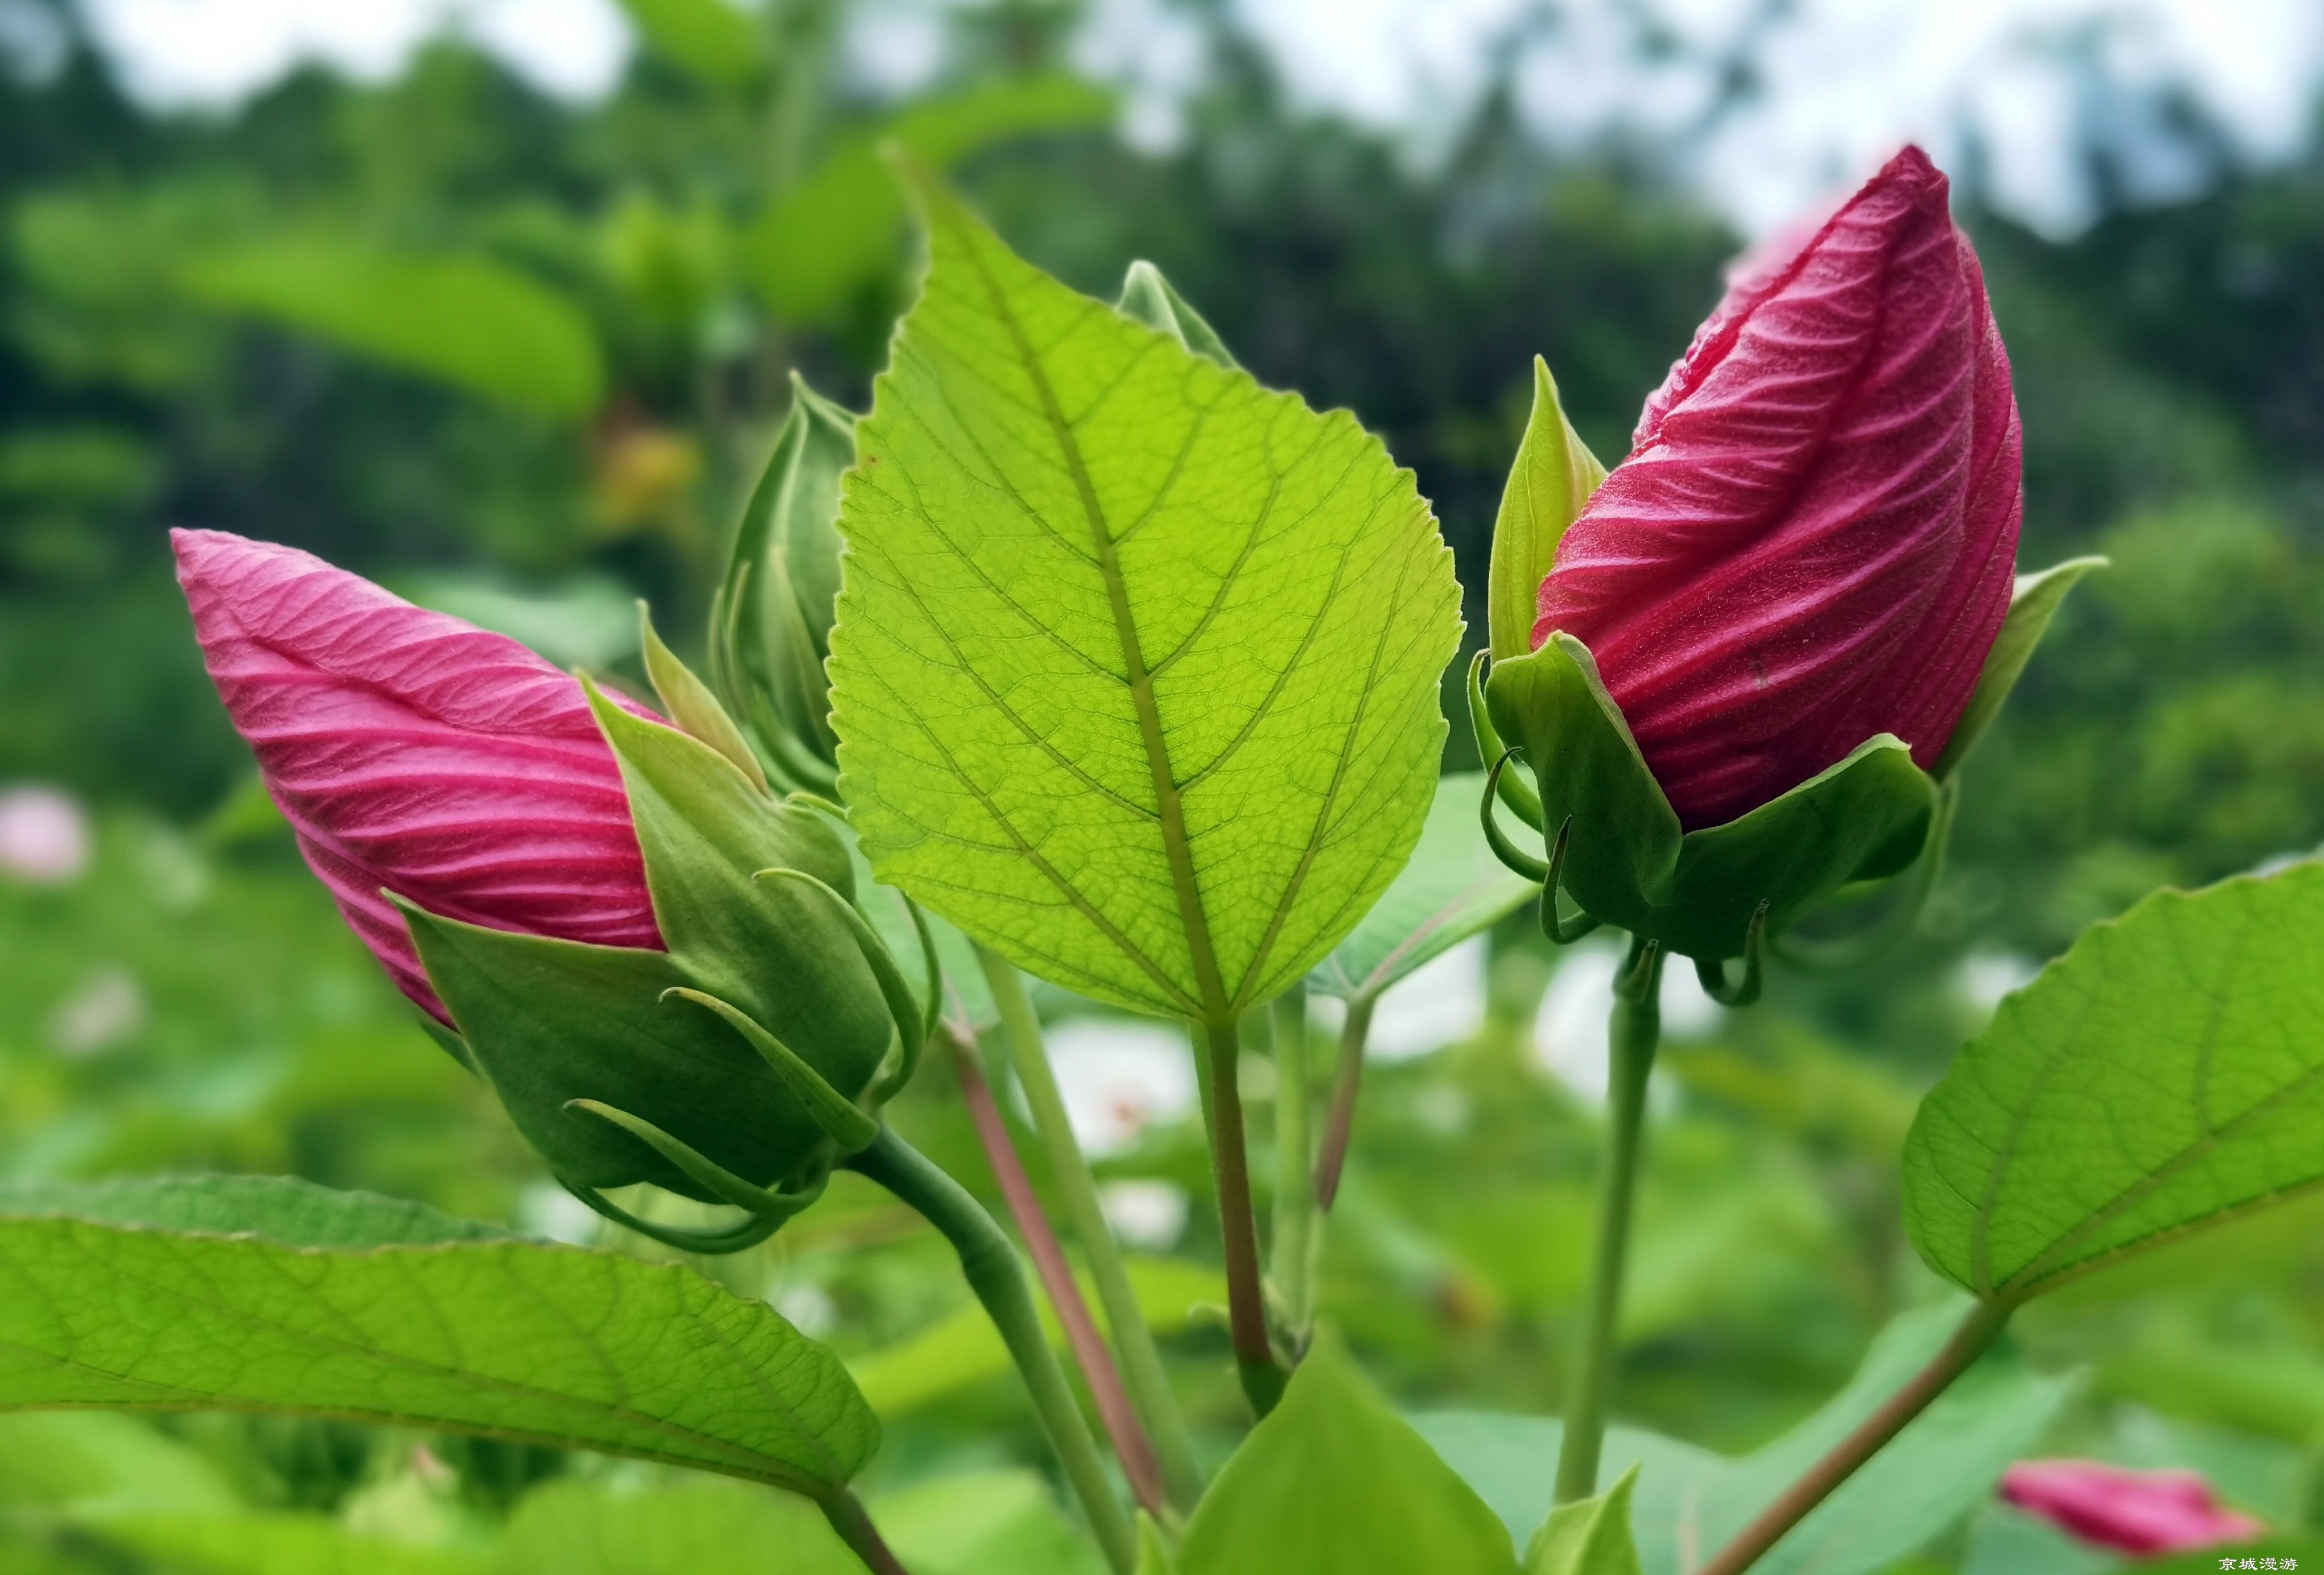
<point>1172,820</point>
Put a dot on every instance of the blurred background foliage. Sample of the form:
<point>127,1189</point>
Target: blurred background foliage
<point>520,358</point>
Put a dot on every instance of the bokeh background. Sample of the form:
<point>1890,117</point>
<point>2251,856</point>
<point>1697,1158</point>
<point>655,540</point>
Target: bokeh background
<point>496,301</point>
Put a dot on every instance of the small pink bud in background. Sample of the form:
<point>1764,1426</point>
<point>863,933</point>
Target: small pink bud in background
<point>418,753</point>
<point>2134,1512</point>
<point>1813,539</point>
<point>43,835</point>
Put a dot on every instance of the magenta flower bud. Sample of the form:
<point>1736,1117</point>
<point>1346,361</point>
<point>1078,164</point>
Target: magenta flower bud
<point>418,754</point>
<point>2139,1513</point>
<point>1811,541</point>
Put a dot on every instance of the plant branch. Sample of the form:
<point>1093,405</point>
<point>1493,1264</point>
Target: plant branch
<point>1219,1063</point>
<point>1295,1175</point>
<point>846,1515</point>
<point>1172,1444</point>
<point>989,1262</point>
<point>1132,1446</point>
<point>1347,1083</point>
<point>1634,1031</point>
<point>1976,1332</point>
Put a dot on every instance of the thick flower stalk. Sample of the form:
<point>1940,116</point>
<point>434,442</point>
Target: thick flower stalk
<point>1811,541</point>
<point>414,753</point>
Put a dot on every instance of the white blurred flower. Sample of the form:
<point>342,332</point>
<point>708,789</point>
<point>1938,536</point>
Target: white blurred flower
<point>809,1306</point>
<point>546,1209</point>
<point>1982,978</point>
<point>1119,1075</point>
<point>108,1007</point>
<point>44,837</point>
<point>1149,1215</point>
<point>1569,1033</point>
<point>1442,1002</point>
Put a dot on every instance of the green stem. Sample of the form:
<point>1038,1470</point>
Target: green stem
<point>1976,1332</point>
<point>1294,1174</point>
<point>1219,1063</point>
<point>990,1263</point>
<point>846,1515</point>
<point>1347,1082</point>
<point>1633,1032</point>
<point>1142,1359</point>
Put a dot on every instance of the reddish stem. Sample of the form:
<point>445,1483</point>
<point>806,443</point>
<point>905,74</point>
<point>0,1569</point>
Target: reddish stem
<point>1130,1445</point>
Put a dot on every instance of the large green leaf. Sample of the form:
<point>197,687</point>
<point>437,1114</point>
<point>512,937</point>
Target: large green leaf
<point>1135,673</point>
<point>713,39</point>
<point>983,1523</point>
<point>2166,1074</point>
<point>466,321</point>
<point>1690,1501</point>
<point>283,1209</point>
<point>98,1462</point>
<point>1332,1482</point>
<point>582,1527</point>
<point>812,249</point>
<point>277,1543</point>
<point>1453,887</point>
<point>515,1339</point>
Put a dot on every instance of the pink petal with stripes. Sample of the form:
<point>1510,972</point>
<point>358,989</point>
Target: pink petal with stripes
<point>418,753</point>
<point>1813,538</point>
<point>2140,1512</point>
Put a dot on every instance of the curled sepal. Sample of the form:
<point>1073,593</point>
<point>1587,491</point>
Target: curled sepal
<point>915,1019</point>
<point>1831,954</point>
<point>1516,857</point>
<point>713,1177</point>
<point>1148,297</point>
<point>1514,790</point>
<point>691,705</point>
<point>824,1105</point>
<point>1562,932</point>
<point>1712,974</point>
<point>2033,601</point>
<point>1628,863</point>
<point>740,1237</point>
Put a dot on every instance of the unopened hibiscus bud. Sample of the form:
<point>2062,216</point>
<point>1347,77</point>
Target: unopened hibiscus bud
<point>656,962</point>
<point>2139,1513</point>
<point>414,753</point>
<point>1772,617</point>
<point>770,624</point>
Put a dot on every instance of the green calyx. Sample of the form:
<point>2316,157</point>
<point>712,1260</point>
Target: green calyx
<point>1616,847</point>
<point>770,620</point>
<point>1624,857</point>
<point>743,1063</point>
<point>1553,477</point>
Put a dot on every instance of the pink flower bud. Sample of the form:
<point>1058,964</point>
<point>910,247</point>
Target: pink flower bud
<point>2134,1512</point>
<point>1811,541</point>
<point>418,753</point>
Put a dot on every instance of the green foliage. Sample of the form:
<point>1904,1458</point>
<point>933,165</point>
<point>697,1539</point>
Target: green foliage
<point>1335,1483</point>
<point>2033,603</point>
<point>717,42</point>
<point>1550,480</point>
<point>1627,860</point>
<point>1689,1501</point>
<point>1590,1536</point>
<point>515,1339</point>
<point>770,624</point>
<point>1452,889</point>
<point>822,239</point>
<point>2163,1075</point>
<point>692,1528</point>
<point>470,320</point>
<point>1152,714</point>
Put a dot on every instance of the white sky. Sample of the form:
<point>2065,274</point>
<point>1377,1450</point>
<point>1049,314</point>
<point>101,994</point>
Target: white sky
<point>1845,80</point>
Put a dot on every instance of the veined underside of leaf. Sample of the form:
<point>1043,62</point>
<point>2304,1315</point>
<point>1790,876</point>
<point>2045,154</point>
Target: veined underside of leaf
<point>1136,668</point>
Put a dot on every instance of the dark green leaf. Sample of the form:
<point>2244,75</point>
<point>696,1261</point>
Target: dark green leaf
<point>579,1528</point>
<point>716,41</point>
